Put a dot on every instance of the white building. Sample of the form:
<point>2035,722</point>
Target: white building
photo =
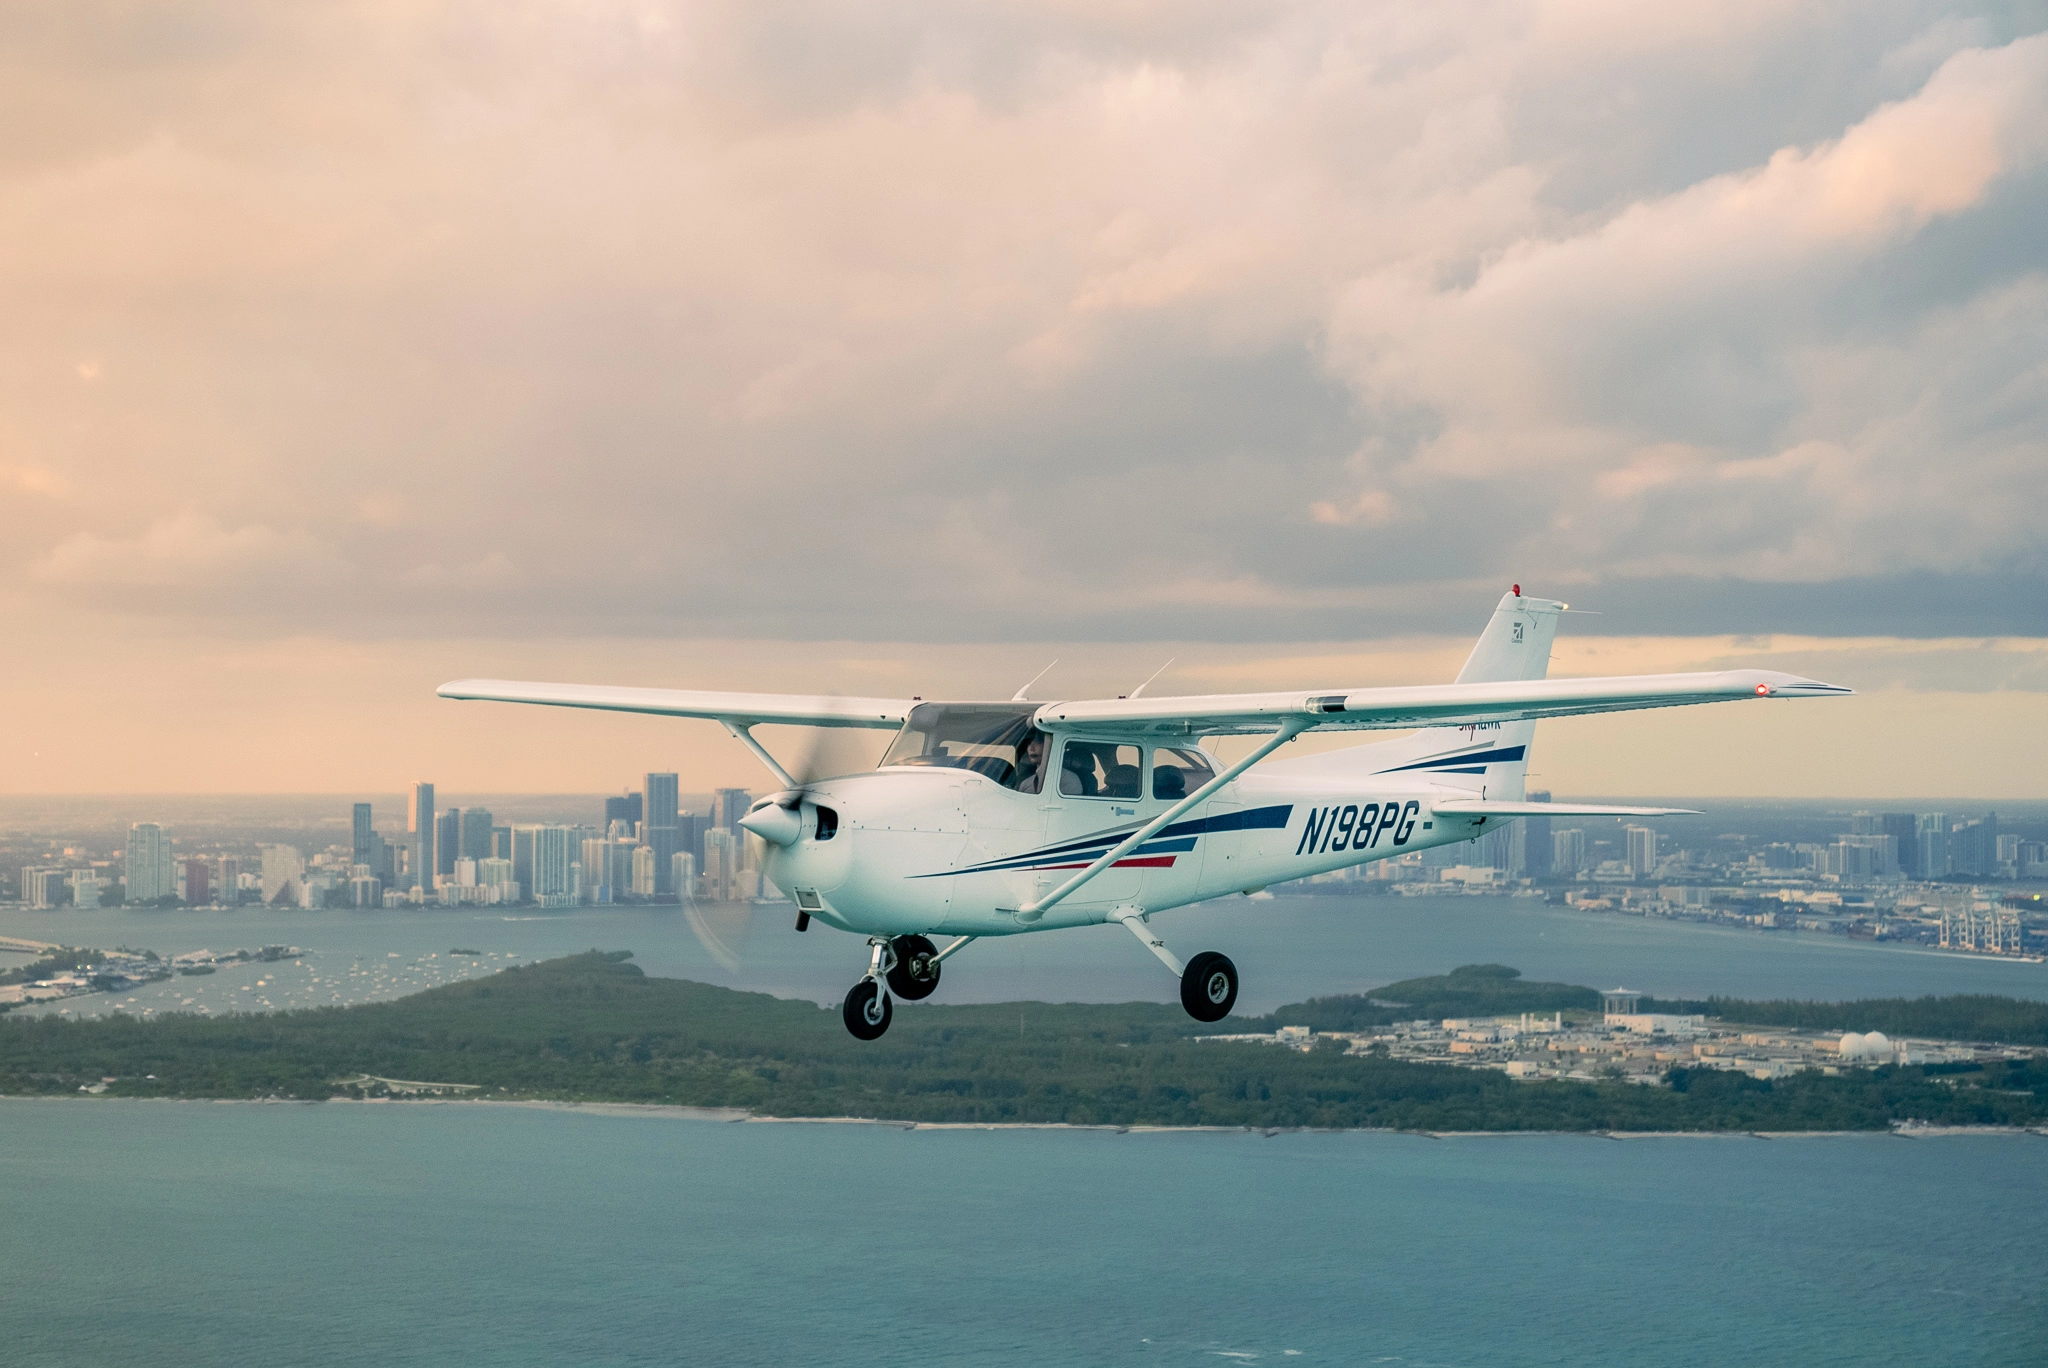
<point>1567,851</point>
<point>683,870</point>
<point>555,866</point>
<point>148,864</point>
<point>1642,851</point>
<point>284,868</point>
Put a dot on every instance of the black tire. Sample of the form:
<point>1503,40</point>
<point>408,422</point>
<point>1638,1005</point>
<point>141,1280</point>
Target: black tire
<point>1208,986</point>
<point>859,1009</point>
<point>905,979</point>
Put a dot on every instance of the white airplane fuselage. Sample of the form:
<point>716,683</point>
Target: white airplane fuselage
<point>922,850</point>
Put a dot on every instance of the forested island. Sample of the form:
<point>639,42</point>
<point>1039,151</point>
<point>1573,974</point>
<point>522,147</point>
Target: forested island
<point>593,1027</point>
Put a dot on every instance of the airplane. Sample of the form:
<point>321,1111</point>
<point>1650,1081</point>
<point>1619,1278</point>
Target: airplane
<point>1004,818</point>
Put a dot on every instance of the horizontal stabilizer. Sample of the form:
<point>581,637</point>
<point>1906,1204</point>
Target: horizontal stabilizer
<point>1473,807</point>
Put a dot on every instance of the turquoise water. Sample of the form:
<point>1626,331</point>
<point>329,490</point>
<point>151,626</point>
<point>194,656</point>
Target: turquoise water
<point>204,1234</point>
<point>1287,949</point>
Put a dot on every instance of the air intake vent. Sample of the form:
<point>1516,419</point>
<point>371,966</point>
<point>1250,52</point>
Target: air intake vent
<point>828,825</point>
<point>807,900</point>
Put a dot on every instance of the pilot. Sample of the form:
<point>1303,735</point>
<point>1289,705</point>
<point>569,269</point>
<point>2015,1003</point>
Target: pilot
<point>1031,763</point>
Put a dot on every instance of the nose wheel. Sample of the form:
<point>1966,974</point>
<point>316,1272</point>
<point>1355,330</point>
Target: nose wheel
<point>867,1010</point>
<point>905,967</point>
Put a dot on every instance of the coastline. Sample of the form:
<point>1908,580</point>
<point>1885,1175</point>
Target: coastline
<point>733,1116</point>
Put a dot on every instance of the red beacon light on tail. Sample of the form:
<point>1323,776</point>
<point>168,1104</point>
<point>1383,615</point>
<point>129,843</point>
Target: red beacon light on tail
<point>1518,591</point>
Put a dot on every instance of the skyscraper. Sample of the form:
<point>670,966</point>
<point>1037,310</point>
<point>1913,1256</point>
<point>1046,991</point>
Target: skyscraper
<point>364,851</point>
<point>523,839</point>
<point>1642,851</point>
<point>1905,834</point>
<point>474,842</point>
<point>197,894</point>
<point>1567,851</point>
<point>554,856</point>
<point>1536,845</point>
<point>148,863</point>
<point>660,830</point>
<point>728,805</point>
<point>447,842</point>
<point>623,807</point>
<point>419,821</point>
<point>1932,840</point>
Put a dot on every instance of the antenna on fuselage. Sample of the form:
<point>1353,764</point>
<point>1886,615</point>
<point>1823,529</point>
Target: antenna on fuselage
<point>1018,697</point>
<point>1155,674</point>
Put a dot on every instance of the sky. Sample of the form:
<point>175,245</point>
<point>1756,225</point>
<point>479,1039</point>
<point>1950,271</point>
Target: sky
<point>893,348</point>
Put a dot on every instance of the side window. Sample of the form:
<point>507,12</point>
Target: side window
<point>1099,769</point>
<point>1177,772</point>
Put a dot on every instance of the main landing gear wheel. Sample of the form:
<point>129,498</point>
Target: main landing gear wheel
<point>1208,987</point>
<point>915,974</point>
<point>867,1010</point>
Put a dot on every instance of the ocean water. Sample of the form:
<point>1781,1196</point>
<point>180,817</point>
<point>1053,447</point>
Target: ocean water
<point>1286,949</point>
<point>228,1234</point>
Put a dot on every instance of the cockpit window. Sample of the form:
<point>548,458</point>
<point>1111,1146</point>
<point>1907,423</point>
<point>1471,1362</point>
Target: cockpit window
<point>1177,772</point>
<point>988,738</point>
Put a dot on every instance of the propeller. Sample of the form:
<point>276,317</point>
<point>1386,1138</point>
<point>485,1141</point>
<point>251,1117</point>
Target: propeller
<point>821,753</point>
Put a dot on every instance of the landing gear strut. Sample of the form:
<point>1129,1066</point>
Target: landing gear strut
<point>905,967</point>
<point>1208,982</point>
<point>866,1009</point>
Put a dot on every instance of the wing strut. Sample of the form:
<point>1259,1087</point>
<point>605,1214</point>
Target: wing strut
<point>1289,729</point>
<point>745,735</point>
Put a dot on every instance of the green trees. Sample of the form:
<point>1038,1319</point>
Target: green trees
<point>593,1027</point>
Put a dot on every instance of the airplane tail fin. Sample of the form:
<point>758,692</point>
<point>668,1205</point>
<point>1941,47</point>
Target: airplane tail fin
<point>1489,761</point>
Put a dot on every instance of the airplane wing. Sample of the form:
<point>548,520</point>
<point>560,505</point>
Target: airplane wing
<point>741,709</point>
<point>1431,705</point>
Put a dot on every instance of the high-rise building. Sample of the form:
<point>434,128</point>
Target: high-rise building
<point>555,866</point>
<point>523,839</point>
<point>501,843</point>
<point>365,890</point>
<point>1507,849</point>
<point>682,874</point>
<point>728,805</point>
<point>1537,844</point>
<point>1642,851</point>
<point>474,841</point>
<point>85,888</point>
<point>284,869</point>
<point>227,880</point>
<point>40,887</point>
<point>1567,852</point>
<point>496,872</point>
<point>690,829</point>
<point>643,872</point>
<point>660,829</point>
<point>1973,847</point>
<point>196,893</point>
<point>363,851</point>
<point>1905,833</point>
<point>148,864</point>
<point>721,865</point>
<point>447,842</point>
<point>1932,840</point>
<point>419,824</point>
<point>624,807</point>
<point>597,888</point>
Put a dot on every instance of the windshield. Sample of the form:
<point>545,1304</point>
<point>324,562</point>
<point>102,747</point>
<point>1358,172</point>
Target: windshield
<point>987,738</point>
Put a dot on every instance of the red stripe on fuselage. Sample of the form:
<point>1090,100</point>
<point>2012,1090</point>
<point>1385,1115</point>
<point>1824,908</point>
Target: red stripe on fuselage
<point>1148,862</point>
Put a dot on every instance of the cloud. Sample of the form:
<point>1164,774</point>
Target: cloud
<point>914,322</point>
<point>190,552</point>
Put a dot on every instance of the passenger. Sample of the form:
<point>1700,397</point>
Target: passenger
<point>1169,781</point>
<point>1031,764</point>
<point>1121,782</point>
<point>1077,777</point>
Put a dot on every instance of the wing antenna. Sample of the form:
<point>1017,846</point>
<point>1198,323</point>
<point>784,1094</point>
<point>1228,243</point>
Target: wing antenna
<point>1018,697</point>
<point>1155,674</point>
